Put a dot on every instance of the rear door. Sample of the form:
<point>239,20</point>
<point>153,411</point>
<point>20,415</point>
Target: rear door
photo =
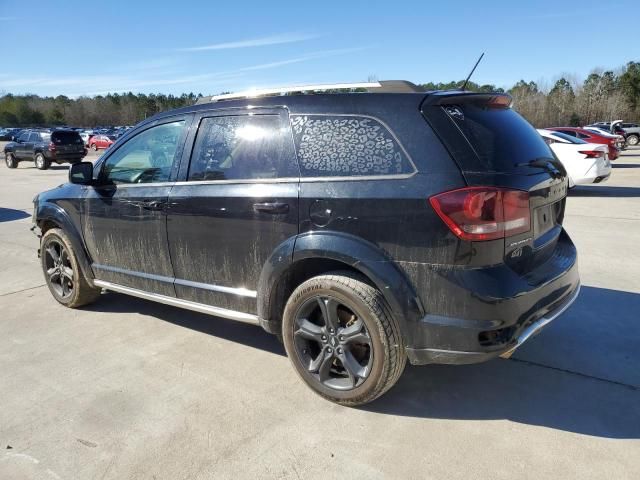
<point>67,143</point>
<point>237,203</point>
<point>493,145</point>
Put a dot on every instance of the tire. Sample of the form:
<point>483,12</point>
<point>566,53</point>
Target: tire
<point>62,272</point>
<point>94,147</point>
<point>42,163</point>
<point>10,160</point>
<point>371,338</point>
<point>633,140</point>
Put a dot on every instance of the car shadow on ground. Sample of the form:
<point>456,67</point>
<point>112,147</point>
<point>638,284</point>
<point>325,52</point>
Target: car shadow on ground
<point>579,375</point>
<point>9,214</point>
<point>246,334</point>
<point>604,191</point>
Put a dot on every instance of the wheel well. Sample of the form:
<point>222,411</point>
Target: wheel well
<point>300,272</point>
<point>46,225</point>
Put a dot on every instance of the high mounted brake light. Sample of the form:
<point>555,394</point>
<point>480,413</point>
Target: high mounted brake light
<point>484,213</point>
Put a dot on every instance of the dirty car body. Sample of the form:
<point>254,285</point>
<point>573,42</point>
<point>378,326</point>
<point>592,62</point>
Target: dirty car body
<point>448,204</point>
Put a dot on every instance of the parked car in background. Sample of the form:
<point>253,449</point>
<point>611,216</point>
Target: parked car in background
<point>97,142</point>
<point>591,137</point>
<point>44,147</point>
<point>584,162</point>
<point>366,230</point>
<point>632,133</point>
<point>9,134</point>
<point>619,139</point>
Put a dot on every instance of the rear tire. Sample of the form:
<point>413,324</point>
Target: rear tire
<point>62,272</point>
<point>42,163</point>
<point>633,140</point>
<point>342,340</point>
<point>10,160</point>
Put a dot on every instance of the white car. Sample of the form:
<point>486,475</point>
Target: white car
<point>584,162</point>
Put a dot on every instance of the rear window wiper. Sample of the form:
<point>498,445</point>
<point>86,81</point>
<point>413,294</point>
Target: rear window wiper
<point>548,164</point>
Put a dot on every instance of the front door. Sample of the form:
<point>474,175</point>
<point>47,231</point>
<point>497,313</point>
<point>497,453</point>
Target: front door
<point>237,203</point>
<point>23,146</point>
<point>124,220</point>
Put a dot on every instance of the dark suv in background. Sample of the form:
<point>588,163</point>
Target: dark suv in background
<point>44,147</point>
<point>364,229</point>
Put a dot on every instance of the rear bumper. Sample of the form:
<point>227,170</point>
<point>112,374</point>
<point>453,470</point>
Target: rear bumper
<point>479,314</point>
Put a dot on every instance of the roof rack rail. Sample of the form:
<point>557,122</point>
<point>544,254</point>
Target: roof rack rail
<point>294,88</point>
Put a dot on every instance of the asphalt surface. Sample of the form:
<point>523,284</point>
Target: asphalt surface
<point>127,389</point>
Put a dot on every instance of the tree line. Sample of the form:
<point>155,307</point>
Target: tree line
<point>603,95</point>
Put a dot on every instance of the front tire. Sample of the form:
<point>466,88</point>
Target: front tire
<point>62,272</point>
<point>94,147</point>
<point>42,163</point>
<point>10,160</point>
<point>342,340</point>
<point>633,140</point>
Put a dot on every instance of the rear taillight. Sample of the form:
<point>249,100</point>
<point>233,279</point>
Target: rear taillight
<point>52,147</point>
<point>484,213</point>
<point>592,153</point>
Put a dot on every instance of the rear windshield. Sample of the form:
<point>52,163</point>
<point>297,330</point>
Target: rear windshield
<point>497,139</point>
<point>66,138</point>
<point>569,138</point>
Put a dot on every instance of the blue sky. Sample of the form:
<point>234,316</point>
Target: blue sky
<point>87,48</point>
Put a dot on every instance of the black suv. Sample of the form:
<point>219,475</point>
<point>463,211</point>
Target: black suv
<point>44,147</point>
<point>365,229</point>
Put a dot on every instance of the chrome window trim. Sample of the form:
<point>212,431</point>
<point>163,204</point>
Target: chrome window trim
<point>177,302</point>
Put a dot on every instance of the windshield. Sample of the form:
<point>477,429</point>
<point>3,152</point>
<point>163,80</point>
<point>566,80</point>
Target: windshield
<point>500,139</point>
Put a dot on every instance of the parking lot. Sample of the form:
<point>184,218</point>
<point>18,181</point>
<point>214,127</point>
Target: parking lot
<point>131,389</point>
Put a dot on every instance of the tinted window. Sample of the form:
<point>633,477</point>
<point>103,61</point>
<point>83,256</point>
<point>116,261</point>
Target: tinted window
<point>571,133</point>
<point>24,137</point>
<point>34,137</point>
<point>66,138</point>
<point>568,138</point>
<point>500,138</point>
<point>346,146</point>
<point>243,148</point>
<point>147,157</point>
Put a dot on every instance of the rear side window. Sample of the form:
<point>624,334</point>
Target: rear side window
<point>244,147</point>
<point>66,138</point>
<point>484,135</point>
<point>341,146</point>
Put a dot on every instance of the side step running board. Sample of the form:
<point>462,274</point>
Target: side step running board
<point>177,302</point>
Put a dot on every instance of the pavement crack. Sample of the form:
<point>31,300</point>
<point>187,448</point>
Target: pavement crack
<point>635,388</point>
<point>23,290</point>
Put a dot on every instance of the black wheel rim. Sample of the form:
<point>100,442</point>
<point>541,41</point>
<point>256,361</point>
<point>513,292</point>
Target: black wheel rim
<point>333,343</point>
<point>58,269</point>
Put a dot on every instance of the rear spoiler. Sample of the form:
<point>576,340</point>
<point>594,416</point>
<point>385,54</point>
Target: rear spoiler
<point>457,97</point>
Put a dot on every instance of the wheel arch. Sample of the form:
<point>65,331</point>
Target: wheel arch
<point>317,253</point>
<point>52,216</point>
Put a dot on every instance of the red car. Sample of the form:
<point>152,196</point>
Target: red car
<point>591,137</point>
<point>100,141</point>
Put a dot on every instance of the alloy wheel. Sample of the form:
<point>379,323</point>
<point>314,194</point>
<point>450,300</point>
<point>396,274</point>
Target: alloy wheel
<point>59,270</point>
<point>333,343</point>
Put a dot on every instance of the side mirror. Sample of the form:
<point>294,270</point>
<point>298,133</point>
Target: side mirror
<point>81,173</point>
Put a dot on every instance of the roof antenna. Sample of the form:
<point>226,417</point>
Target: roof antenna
<point>471,73</point>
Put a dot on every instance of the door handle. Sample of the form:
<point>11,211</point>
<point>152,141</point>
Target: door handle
<point>271,207</point>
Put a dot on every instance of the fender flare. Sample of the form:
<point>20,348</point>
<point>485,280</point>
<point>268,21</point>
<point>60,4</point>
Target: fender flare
<point>351,250</point>
<point>49,212</point>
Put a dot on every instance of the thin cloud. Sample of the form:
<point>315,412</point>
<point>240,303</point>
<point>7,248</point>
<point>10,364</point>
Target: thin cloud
<point>254,42</point>
<point>132,81</point>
